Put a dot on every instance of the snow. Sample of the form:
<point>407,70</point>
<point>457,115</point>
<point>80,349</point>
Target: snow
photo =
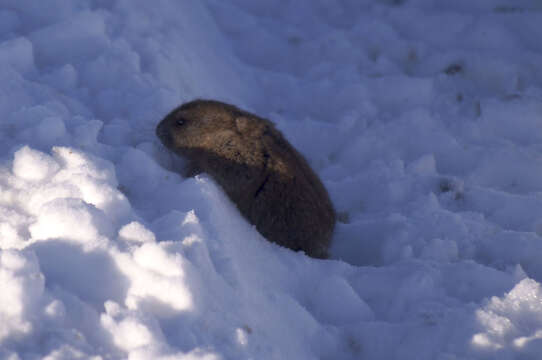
<point>422,118</point>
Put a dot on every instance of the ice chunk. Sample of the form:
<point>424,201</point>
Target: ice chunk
<point>73,220</point>
<point>136,232</point>
<point>17,53</point>
<point>83,34</point>
<point>335,302</point>
<point>22,287</point>
<point>32,165</point>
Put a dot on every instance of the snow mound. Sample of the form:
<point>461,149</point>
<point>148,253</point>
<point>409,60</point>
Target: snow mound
<point>422,119</point>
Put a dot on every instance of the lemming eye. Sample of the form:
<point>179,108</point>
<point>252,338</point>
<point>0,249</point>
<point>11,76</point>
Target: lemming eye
<point>179,122</point>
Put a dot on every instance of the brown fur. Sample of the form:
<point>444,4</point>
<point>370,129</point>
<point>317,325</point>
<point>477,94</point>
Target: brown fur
<point>269,181</point>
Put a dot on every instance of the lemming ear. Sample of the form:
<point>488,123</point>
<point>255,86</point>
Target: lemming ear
<point>241,122</point>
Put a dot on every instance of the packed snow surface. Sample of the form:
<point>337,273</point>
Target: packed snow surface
<point>423,118</point>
